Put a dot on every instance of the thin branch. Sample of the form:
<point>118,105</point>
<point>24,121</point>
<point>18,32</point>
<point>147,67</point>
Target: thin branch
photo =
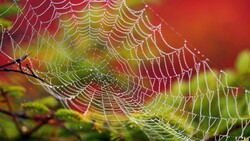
<point>28,134</point>
<point>8,64</point>
<point>43,120</point>
<point>37,127</point>
<point>19,62</point>
<point>15,61</point>
<point>20,66</point>
<point>23,116</point>
<point>10,109</point>
<point>27,65</point>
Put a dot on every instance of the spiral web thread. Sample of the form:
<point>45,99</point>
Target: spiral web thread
<point>112,64</point>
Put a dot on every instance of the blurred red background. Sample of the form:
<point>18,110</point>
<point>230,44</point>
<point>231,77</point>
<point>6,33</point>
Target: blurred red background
<point>220,29</point>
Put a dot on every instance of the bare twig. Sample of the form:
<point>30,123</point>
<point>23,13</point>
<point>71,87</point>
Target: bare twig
<point>8,64</point>
<point>27,65</point>
<point>19,62</point>
<point>15,61</point>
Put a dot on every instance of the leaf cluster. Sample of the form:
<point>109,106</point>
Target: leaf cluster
<point>45,119</point>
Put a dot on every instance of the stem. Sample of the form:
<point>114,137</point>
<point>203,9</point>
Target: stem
<point>37,127</point>
<point>42,122</point>
<point>72,132</point>
<point>30,132</point>
<point>10,110</point>
<point>19,62</point>
<point>15,61</point>
<point>13,114</point>
<point>8,64</point>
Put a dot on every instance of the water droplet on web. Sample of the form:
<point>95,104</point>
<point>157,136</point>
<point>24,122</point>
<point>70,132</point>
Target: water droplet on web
<point>24,128</point>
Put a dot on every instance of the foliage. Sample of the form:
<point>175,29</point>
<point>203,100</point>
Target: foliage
<point>14,91</point>
<point>48,101</point>
<point>69,115</point>
<point>43,118</point>
<point>35,107</point>
<point>195,102</point>
<point>243,62</point>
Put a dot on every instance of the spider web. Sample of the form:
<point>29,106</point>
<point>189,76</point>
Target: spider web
<point>114,65</point>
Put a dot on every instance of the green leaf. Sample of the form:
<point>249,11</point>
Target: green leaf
<point>48,101</point>
<point>15,91</point>
<point>243,62</point>
<point>7,128</point>
<point>69,115</point>
<point>35,107</point>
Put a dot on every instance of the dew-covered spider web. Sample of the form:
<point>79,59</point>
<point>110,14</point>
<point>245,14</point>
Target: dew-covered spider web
<point>112,62</point>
